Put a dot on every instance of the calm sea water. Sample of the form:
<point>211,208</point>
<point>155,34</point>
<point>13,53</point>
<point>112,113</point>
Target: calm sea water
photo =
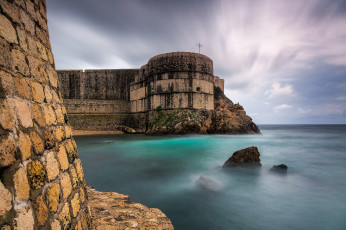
<point>163,172</point>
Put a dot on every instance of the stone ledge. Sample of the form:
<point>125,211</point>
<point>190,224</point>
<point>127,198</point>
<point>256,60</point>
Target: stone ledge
<point>110,210</point>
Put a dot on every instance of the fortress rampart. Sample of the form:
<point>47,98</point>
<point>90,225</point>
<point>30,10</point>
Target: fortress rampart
<point>98,99</point>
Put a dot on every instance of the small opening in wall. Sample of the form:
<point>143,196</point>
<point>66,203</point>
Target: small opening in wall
<point>198,89</point>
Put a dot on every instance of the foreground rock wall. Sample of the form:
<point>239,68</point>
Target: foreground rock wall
<point>41,177</point>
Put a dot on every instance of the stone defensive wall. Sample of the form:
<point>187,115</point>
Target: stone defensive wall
<point>174,80</point>
<point>42,184</point>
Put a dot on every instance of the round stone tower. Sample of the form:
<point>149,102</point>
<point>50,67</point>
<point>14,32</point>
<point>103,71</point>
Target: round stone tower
<point>178,80</point>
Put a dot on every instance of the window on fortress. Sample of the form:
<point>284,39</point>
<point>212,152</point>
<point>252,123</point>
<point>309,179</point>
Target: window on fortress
<point>198,89</point>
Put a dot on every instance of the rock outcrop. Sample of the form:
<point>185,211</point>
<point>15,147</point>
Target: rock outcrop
<point>226,118</point>
<point>282,168</point>
<point>243,158</point>
<point>110,210</point>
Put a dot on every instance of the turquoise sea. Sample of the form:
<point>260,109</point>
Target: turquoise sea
<point>164,172</point>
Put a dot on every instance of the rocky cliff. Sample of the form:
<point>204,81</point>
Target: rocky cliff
<point>226,118</point>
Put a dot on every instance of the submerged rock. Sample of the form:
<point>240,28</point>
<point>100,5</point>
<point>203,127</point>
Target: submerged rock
<point>208,183</point>
<point>244,157</point>
<point>282,168</point>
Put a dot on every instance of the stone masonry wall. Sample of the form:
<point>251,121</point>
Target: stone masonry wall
<point>42,184</point>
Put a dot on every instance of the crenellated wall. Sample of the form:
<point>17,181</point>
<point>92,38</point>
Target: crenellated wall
<point>42,184</point>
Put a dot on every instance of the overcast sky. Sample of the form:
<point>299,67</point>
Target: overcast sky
<point>284,61</point>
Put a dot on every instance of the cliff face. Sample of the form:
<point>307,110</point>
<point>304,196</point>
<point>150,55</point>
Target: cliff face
<point>226,118</point>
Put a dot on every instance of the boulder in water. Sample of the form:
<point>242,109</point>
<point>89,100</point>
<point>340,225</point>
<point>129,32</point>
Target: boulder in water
<point>208,183</point>
<point>282,168</point>
<point>244,157</point>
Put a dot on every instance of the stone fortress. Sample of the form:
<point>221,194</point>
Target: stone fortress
<point>105,99</point>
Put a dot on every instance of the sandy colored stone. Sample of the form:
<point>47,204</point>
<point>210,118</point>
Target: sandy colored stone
<point>6,227</point>
<point>7,31</point>
<point>52,166</point>
<point>24,145</point>
<point>50,57</point>
<point>82,194</point>
<point>22,39</point>
<point>7,119</point>
<point>74,176</point>
<point>71,150</point>
<point>53,76</point>
<point>11,10</point>
<point>68,131</point>
<point>59,115</point>
<point>5,200</point>
<point>23,113</point>
<point>37,69</point>
<point>6,85</point>
<point>24,219</point>
<point>19,63</point>
<point>59,133</point>
<point>43,36</point>
<point>55,225</point>
<point>21,184</point>
<point>22,88</point>
<point>36,174</point>
<point>49,138</point>
<point>32,45</point>
<point>49,115</point>
<point>28,22</point>
<point>42,51</point>
<point>41,210</point>
<point>38,114</point>
<point>5,58</point>
<point>41,21</point>
<point>37,92</point>
<point>53,194</point>
<point>62,157</point>
<point>30,7</point>
<point>37,142</point>
<point>7,151</point>
<point>75,204</point>
<point>48,94</point>
<point>65,185</point>
<point>56,97</point>
<point>65,217</point>
<point>79,169</point>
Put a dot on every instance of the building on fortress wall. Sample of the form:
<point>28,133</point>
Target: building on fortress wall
<point>108,98</point>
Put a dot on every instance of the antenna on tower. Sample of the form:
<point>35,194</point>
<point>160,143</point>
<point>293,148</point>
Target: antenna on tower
<point>199,47</point>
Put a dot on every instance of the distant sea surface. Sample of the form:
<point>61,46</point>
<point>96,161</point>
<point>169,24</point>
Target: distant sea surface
<point>164,172</point>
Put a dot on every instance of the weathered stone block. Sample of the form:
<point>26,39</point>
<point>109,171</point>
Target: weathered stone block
<point>68,131</point>
<point>7,119</point>
<point>22,88</point>
<point>42,51</point>
<point>22,39</point>
<point>30,7</point>
<point>43,36</point>
<point>32,46</point>
<point>7,151</point>
<point>55,225</point>
<point>49,115</point>
<point>37,174</point>
<point>49,138</point>
<point>5,200</point>
<point>48,94</point>
<point>24,219</point>
<point>59,133</point>
<point>53,194</point>
<point>74,176</point>
<point>41,210</point>
<point>71,151</point>
<point>37,69</point>
<point>65,217</point>
<point>7,31</point>
<point>62,157</point>
<point>37,92</point>
<point>37,142</point>
<point>23,113</point>
<point>21,184</point>
<point>52,166</point>
<point>59,115</point>
<point>5,58</point>
<point>82,194</point>
<point>28,22</point>
<point>11,10</point>
<point>38,115</point>
<point>50,57</point>
<point>75,204</point>
<point>53,76</point>
<point>79,169</point>
<point>19,63</point>
<point>6,85</point>
<point>24,145</point>
<point>56,97</point>
<point>65,185</point>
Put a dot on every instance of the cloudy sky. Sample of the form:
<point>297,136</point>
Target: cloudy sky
<point>284,61</point>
